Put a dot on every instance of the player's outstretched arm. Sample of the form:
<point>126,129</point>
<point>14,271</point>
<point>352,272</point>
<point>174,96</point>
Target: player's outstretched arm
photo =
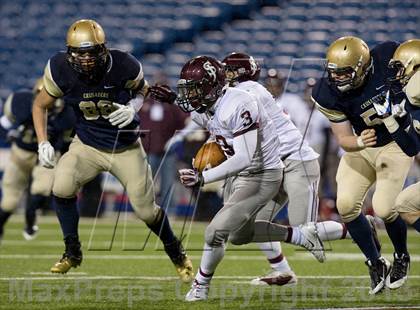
<point>348,141</point>
<point>42,103</point>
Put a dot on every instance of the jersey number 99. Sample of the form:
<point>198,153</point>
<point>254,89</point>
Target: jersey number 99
<point>92,111</point>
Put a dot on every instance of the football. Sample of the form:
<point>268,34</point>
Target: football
<point>208,156</point>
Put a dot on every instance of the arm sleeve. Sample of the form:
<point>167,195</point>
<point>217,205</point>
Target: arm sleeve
<point>244,146</point>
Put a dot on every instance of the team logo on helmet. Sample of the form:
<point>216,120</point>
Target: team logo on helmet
<point>211,70</point>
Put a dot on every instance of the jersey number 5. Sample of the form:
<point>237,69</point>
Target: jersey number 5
<point>92,111</point>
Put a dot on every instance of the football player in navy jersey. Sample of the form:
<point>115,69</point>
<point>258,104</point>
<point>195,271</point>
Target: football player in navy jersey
<point>106,89</point>
<point>357,80</point>
<point>16,125</point>
<point>406,60</point>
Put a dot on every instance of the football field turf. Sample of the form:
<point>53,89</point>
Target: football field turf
<point>126,276</point>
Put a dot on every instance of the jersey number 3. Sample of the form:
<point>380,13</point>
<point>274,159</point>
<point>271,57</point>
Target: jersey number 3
<point>92,111</point>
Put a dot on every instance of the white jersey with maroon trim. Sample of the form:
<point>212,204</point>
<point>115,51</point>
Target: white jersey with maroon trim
<point>289,136</point>
<point>235,113</point>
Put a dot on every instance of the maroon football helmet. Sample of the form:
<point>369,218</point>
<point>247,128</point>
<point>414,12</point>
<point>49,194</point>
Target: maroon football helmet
<point>241,67</point>
<point>201,82</point>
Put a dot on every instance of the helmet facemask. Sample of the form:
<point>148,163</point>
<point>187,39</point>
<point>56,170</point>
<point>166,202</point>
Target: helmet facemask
<point>88,61</point>
<point>348,78</point>
<point>233,74</point>
<point>401,75</point>
<point>192,98</point>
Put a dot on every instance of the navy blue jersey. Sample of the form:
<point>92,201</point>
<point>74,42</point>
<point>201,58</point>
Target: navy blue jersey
<point>356,105</point>
<point>18,109</point>
<point>93,101</point>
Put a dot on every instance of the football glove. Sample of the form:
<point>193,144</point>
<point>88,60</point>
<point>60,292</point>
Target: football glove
<point>46,154</point>
<point>383,109</point>
<point>162,93</point>
<point>190,177</point>
<point>122,116</point>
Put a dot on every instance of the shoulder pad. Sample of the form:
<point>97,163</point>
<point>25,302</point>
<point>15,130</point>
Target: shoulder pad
<point>326,101</point>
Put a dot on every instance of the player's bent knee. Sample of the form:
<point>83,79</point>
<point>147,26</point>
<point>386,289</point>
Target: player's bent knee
<point>347,208</point>
<point>215,237</point>
<point>387,215</point>
<point>41,190</point>
<point>9,204</point>
<point>64,187</point>
<point>149,215</point>
<point>402,203</point>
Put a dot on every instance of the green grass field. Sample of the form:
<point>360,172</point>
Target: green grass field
<point>124,276</point>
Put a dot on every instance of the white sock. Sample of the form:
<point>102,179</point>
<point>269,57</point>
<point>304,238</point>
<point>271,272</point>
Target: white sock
<point>274,255</point>
<point>295,236</point>
<point>209,260</point>
<point>331,230</point>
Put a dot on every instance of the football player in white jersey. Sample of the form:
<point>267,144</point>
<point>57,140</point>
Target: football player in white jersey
<point>301,173</point>
<point>254,169</point>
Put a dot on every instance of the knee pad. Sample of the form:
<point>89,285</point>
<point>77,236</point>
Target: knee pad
<point>384,209</point>
<point>40,189</point>
<point>387,215</point>
<point>149,215</point>
<point>347,208</point>
<point>65,186</point>
<point>10,202</point>
<point>215,237</point>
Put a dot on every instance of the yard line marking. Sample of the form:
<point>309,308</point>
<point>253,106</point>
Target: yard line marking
<point>370,308</point>
<point>49,273</point>
<point>297,256</point>
<point>169,278</point>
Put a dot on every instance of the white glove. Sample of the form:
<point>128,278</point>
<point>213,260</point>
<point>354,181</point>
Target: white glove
<point>123,116</point>
<point>46,154</point>
<point>190,177</point>
<point>172,141</point>
<point>383,109</point>
<point>398,110</point>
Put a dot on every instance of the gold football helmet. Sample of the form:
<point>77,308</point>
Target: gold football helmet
<point>406,60</point>
<point>348,62</point>
<point>86,50</point>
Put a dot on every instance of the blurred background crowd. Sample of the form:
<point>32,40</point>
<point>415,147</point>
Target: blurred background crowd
<point>287,38</point>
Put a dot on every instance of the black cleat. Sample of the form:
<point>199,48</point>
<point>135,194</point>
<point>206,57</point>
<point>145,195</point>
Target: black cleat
<point>372,224</point>
<point>399,271</point>
<point>378,272</point>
